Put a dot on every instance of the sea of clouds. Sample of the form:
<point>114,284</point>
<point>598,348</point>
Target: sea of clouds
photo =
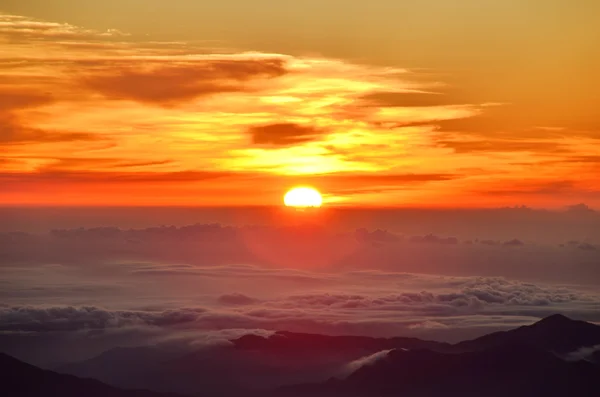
<point>72,293</point>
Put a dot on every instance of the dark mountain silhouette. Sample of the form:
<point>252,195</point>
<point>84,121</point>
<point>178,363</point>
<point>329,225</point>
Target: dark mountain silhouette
<point>526,361</point>
<point>555,333</point>
<point>284,342</point>
<point>21,379</point>
<point>121,366</point>
<point>516,371</point>
<point>250,363</point>
<point>215,370</point>
<point>255,363</point>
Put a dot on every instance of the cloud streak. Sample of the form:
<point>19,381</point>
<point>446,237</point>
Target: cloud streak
<point>361,362</point>
<point>69,318</point>
<point>282,134</point>
<point>169,85</point>
<point>18,27</point>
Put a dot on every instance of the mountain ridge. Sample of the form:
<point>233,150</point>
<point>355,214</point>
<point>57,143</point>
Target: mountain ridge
<point>517,371</point>
<point>302,361</point>
<point>557,333</point>
<point>26,380</point>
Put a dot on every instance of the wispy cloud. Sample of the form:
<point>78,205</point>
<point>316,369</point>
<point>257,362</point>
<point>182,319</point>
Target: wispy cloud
<point>282,134</point>
<point>18,27</point>
<point>168,85</point>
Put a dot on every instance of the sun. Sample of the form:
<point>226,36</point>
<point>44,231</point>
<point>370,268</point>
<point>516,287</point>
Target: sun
<point>303,197</point>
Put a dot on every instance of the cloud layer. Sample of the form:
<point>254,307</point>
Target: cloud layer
<point>122,287</point>
<point>111,294</point>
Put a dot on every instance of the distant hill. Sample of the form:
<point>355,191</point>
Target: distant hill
<point>256,363</point>
<point>515,371</point>
<point>556,333</point>
<point>121,366</point>
<point>250,363</point>
<point>307,344</point>
<point>524,362</point>
<point>21,379</point>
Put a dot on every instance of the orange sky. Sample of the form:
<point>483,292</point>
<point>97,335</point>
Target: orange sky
<point>168,114</point>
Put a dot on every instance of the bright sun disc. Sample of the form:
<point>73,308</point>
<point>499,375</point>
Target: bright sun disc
<point>302,197</point>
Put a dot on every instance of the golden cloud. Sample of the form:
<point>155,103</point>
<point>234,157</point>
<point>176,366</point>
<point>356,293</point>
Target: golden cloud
<point>176,109</point>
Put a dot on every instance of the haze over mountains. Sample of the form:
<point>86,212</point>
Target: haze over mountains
<point>575,222</point>
<point>235,309</point>
<point>508,371</point>
<point>555,356</point>
<point>23,380</point>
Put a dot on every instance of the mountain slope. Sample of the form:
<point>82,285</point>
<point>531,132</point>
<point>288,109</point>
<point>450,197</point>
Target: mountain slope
<point>254,363</point>
<point>121,366</point>
<point>555,333</point>
<point>250,363</point>
<point>304,344</point>
<point>21,379</point>
<point>516,371</point>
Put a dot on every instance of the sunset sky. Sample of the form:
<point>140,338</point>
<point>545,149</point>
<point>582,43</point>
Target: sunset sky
<point>429,103</point>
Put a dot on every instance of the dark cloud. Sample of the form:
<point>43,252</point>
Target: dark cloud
<point>581,208</point>
<point>587,247</point>
<point>514,243</point>
<point>120,171</point>
<point>555,187</point>
<point>170,85</point>
<point>488,242</point>
<point>283,134</point>
<point>346,183</point>
<point>574,159</point>
<point>60,175</point>
<point>236,299</point>
<point>15,132</point>
<point>234,271</point>
<point>410,99</point>
<point>388,179</point>
<point>377,236</point>
<point>67,163</point>
<point>430,238</point>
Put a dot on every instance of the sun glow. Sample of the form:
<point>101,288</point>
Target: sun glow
<point>303,197</point>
